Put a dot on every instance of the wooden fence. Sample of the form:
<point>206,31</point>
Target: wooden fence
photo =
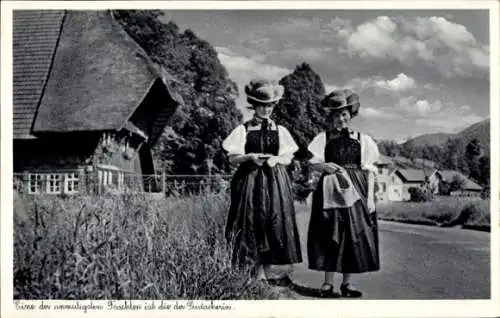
<point>103,181</point>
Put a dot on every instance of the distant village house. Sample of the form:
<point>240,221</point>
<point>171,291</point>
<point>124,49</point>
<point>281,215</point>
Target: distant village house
<point>468,188</point>
<point>394,184</point>
<point>89,104</point>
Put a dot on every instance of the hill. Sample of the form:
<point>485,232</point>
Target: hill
<point>400,162</point>
<point>455,152</point>
<point>480,130</point>
<point>436,139</point>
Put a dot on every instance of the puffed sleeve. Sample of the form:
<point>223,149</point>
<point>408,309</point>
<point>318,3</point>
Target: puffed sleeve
<point>317,148</point>
<point>234,144</point>
<point>287,144</point>
<point>369,153</point>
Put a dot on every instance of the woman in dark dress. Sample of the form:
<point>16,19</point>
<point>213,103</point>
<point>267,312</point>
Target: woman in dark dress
<point>261,222</point>
<point>343,234</point>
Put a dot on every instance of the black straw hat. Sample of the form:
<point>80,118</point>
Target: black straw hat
<point>338,100</point>
<point>263,91</point>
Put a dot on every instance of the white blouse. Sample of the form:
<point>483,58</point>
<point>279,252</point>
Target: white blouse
<point>369,151</point>
<point>234,144</point>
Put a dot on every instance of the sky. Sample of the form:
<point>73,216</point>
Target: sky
<point>416,71</point>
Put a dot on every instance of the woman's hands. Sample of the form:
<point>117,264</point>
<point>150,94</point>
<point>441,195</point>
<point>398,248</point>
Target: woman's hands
<point>331,167</point>
<point>328,167</point>
<point>272,161</point>
<point>257,158</point>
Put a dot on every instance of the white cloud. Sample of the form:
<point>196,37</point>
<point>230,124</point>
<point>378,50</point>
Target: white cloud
<point>453,35</point>
<point>240,67</point>
<point>435,41</point>
<point>424,107</point>
<point>480,57</point>
<point>430,86</point>
<point>373,113</point>
<point>445,117</point>
<point>373,39</point>
<point>330,88</point>
<point>398,84</point>
<point>305,54</point>
<point>401,82</point>
<point>419,107</point>
<point>242,70</point>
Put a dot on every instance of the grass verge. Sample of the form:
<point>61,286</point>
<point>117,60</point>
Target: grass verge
<point>126,247</point>
<point>471,214</point>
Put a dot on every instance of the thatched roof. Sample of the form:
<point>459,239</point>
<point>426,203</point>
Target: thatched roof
<point>79,71</point>
<point>35,35</point>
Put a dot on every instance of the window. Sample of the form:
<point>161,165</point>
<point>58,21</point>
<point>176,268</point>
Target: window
<point>121,179</point>
<point>71,183</point>
<point>35,183</point>
<point>382,186</point>
<point>110,178</point>
<point>54,183</point>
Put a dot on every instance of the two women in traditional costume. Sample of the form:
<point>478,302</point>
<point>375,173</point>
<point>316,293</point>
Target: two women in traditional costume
<point>343,232</point>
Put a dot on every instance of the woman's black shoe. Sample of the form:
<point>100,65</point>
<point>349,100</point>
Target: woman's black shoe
<point>350,293</point>
<point>328,293</point>
<point>282,282</point>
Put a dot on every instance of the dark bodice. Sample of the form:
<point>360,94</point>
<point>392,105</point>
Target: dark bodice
<point>343,148</point>
<point>262,140</point>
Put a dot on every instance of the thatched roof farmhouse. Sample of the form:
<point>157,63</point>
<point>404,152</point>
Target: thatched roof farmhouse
<point>88,102</point>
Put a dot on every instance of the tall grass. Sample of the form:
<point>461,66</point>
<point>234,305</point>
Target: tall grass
<point>467,212</point>
<point>126,247</point>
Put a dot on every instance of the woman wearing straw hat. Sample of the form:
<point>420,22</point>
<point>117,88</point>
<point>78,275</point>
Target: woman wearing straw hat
<point>261,222</point>
<point>343,231</point>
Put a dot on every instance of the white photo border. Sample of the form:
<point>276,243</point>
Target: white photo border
<point>280,308</point>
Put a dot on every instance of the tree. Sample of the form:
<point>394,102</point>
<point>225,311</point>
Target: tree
<point>453,157</point>
<point>410,150</point>
<point>298,109</point>
<point>209,113</point>
<point>473,152</point>
<point>457,183</point>
<point>298,112</point>
<point>389,148</point>
<point>444,188</point>
<point>484,170</point>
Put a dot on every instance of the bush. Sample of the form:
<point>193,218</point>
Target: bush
<point>422,194</point>
<point>126,247</point>
<point>301,191</point>
<point>444,188</point>
<point>475,214</point>
<point>299,174</point>
<point>486,193</point>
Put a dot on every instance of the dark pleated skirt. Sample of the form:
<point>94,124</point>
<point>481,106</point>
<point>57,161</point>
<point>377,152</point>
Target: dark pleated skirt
<point>261,223</point>
<point>343,240</point>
